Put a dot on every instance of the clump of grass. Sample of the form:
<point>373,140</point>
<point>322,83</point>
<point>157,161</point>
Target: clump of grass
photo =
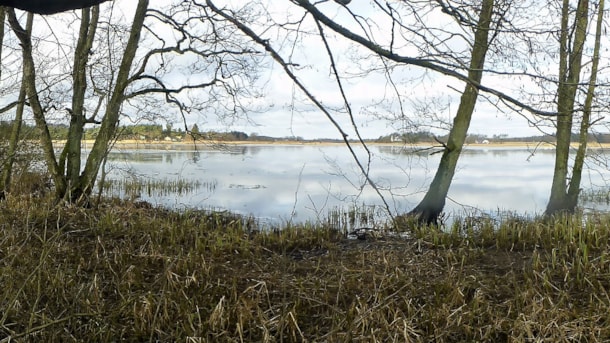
<point>597,195</point>
<point>354,216</point>
<point>137,273</point>
<point>134,188</point>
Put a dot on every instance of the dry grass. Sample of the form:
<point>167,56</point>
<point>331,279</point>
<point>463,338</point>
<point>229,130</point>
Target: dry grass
<point>135,273</point>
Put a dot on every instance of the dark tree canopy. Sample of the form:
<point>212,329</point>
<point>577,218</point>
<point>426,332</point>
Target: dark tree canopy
<point>49,6</point>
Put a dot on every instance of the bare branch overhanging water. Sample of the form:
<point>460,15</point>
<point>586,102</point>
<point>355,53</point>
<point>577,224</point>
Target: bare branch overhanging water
<point>426,63</point>
<point>276,56</point>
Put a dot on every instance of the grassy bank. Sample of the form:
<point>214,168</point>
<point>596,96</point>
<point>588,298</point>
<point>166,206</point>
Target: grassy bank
<point>135,273</point>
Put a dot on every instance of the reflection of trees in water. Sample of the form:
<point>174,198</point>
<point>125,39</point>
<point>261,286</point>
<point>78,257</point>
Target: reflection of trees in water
<point>231,149</point>
<point>252,150</point>
<point>243,150</point>
<point>404,150</point>
<point>194,156</point>
<point>136,156</point>
<point>179,151</point>
<point>492,152</point>
<point>505,151</point>
<point>272,174</point>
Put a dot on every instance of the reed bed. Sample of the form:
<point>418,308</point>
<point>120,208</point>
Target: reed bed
<point>125,271</point>
<point>354,217</point>
<point>134,188</point>
<point>599,195</point>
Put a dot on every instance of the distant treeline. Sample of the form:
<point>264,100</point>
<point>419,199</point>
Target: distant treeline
<point>428,137</point>
<point>147,132</point>
<point>157,132</point>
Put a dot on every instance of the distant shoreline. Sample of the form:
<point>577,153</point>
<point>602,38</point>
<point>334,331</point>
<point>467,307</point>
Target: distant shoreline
<point>132,143</point>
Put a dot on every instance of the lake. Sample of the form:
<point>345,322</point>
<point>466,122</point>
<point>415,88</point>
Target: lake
<point>298,183</point>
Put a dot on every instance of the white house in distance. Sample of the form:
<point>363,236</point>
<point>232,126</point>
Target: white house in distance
<point>395,138</point>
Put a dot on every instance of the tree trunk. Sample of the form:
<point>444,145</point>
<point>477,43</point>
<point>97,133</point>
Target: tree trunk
<point>7,171</point>
<point>49,6</point>
<point>579,161</point>
<point>29,77</point>
<point>73,184</point>
<point>72,148</point>
<point>569,76</point>
<point>431,206</point>
<point>112,115</point>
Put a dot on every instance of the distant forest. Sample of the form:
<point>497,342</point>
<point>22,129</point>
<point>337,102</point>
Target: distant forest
<point>157,132</point>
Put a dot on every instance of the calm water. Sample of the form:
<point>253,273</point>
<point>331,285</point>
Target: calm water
<point>299,183</point>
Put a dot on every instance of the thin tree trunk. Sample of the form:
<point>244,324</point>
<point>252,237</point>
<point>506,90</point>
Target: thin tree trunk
<point>10,156</point>
<point>569,77</point>
<point>29,77</point>
<point>112,115</point>
<point>77,116</point>
<point>7,171</point>
<point>429,209</point>
<point>579,161</point>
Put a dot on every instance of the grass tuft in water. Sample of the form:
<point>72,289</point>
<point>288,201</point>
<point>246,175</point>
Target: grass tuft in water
<point>596,196</point>
<point>134,188</point>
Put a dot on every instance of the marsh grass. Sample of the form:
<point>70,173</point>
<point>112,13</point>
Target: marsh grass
<point>134,188</point>
<point>598,195</point>
<point>124,271</point>
<point>354,216</point>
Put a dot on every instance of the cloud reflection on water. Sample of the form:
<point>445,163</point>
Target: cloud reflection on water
<point>270,181</point>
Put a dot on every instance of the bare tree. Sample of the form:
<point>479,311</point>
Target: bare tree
<point>86,179</point>
<point>586,121</point>
<point>71,155</point>
<point>435,52</point>
<point>112,79</point>
<point>564,190</point>
<point>29,77</point>
<point>432,204</point>
<point>9,160</point>
<point>218,68</point>
<point>111,117</point>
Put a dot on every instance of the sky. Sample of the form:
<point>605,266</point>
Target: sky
<point>426,101</point>
<point>289,114</point>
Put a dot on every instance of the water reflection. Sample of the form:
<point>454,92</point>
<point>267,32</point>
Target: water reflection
<point>302,183</point>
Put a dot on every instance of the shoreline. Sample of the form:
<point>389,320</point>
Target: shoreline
<point>132,143</point>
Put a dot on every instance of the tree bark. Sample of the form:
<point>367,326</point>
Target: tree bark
<point>49,6</point>
<point>10,156</point>
<point>431,206</point>
<point>112,115</point>
<point>574,188</point>
<point>29,77</point>
<point>13,143</point>
<point>72,148</point>
<point>569,76</point>
<point>68,182</point>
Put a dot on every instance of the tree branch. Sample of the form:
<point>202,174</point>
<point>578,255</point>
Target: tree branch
<point>420,62</point>
<point>276,56</point>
